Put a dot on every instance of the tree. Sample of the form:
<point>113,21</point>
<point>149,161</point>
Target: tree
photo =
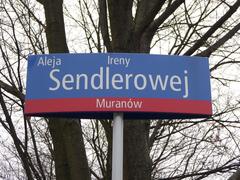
<point>134,33</point>
<point>69,151</point>
<point>235,176</point>
<point>12,95</point>
<point>157,149</point>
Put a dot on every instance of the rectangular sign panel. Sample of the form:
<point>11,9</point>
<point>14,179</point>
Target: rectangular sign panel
<point>96,85</point>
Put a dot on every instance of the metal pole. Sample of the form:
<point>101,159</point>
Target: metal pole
<point>117,152</point>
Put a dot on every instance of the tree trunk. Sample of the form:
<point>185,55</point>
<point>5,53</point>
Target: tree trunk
<point>69,150</point>
<point>137,163</point>
<point>235,176</point>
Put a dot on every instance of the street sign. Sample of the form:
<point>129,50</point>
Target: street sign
<point>96,85</point>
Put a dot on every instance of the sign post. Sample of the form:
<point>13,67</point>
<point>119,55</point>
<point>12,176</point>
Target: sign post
<point>104,86</point>
<point>117,151</point>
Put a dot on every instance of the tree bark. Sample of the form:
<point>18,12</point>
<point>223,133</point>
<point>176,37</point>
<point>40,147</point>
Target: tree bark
<point>69,150</point>
<point>137,162</point>
<point>235,176</point>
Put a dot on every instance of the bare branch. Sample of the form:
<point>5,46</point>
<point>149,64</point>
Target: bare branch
<point>104,25</point>
<point>41,1</point>
<point>32,13</point>
<point>204,173</point>
<point>151,30</point>
<point>12,90</point>
<point>146,12</point>
<point>168,12</point>
<point>220,42</point>
<point>213,28</point>
<point>15,138</point>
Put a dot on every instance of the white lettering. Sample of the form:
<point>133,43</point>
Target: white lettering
<point>158,80</point>
<point>67,79</point>
<point>117,78</point>
<point>186,84</point>
<point>107,78</point>
<point>128,76</point>
<point>104,79</point>
<point>97,78</point>
<point>85,81</point>
<point>52,77</point>
<point>119,61</point>
<point>130,104</point>
<point>40,61</point>
<point>127,61</point>
<point>53,62</point>
<point>136,82</point>
<point>100,104</point>
<point>175,81</point>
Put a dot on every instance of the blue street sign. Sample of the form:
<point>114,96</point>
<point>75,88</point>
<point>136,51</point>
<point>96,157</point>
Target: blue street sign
<point>96,85</point>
